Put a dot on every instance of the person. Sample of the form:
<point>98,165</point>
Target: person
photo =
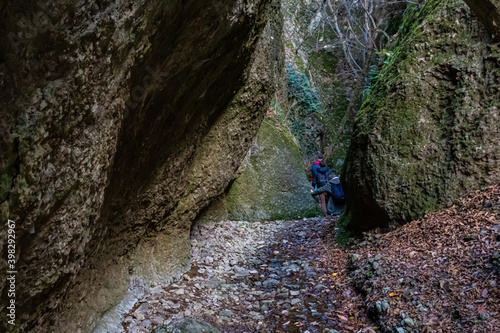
<point>322,174</point>
<point>335,205</point>
<point>314,168</point>
<point>321,179</point>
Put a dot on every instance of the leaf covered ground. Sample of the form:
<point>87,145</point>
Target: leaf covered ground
<point>437,274</point>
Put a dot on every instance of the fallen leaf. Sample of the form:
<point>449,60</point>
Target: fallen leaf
<point>341,317</point>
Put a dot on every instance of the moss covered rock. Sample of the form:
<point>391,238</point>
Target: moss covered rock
<point>428,131</point>
<point>271,183</point>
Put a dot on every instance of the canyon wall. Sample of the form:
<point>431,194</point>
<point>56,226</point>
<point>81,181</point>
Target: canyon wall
<point>121,120</point>
<point>428,131</point>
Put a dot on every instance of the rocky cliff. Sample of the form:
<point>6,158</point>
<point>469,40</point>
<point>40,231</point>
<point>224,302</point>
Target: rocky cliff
<point>317,96</point>
<point>120,121</point>
<point>429,129</point>
<point>271,183</point>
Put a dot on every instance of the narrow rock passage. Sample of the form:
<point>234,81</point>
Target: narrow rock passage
<point>250,277</point>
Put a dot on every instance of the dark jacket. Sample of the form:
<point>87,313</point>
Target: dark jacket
<point>321,176</point>
<point>333,208</point>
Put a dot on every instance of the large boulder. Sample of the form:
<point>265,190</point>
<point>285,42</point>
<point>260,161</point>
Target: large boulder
<point>120,121</point>
<point>428,131</point>
<point>271,183</point>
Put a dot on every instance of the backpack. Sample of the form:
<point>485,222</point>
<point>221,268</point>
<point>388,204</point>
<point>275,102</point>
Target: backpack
<point>337,193</point>
<point>322,179</point>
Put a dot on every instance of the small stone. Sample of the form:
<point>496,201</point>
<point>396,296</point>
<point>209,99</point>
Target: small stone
<point>354,257</point>
<point>209,260</point>
<point>400,330</point>
<point>256,315</point>
<point>484,315</point>
<point>295,301</point>
<point>384,305</point>
<point>242,271</point>
<point>294,293</point>
<point>408,322</point>
<point>226,313</point>
<point>138,316</point>
<point>270,283</point>
<point>180,292</point>
<point>43,105</point>
<point>143,308</point>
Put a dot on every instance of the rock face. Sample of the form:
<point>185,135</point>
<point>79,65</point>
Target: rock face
<point>271,182</point>
<point>428,131</point>
<point>318,91</point>
<point>488,12</point>
<point>120,121</point>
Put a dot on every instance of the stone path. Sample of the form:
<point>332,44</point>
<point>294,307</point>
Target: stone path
<point>248,277</point>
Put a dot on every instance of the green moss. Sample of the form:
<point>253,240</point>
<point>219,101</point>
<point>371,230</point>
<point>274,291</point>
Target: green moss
<point>299,62</point>
<point>426,123</point>
<point>271,182</point>
<point>323,61</point>
<point>343,235</point>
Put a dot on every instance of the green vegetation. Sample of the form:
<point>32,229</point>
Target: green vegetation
<point>343,235</point>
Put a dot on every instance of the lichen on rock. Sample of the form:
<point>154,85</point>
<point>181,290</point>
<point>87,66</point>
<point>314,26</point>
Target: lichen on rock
<point>428,131</point>
<point>271,183</point>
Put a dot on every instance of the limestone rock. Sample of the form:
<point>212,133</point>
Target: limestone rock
<point>271,183</point>
<point>120,122</point>
<point>428,131</point>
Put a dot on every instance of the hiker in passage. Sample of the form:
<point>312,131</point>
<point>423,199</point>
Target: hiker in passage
<point>314,168</point>
<point>321,177</point>
<point>335,193</point>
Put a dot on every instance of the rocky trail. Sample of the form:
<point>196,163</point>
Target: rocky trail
<point>253,277</point>
<point>438,274</point>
